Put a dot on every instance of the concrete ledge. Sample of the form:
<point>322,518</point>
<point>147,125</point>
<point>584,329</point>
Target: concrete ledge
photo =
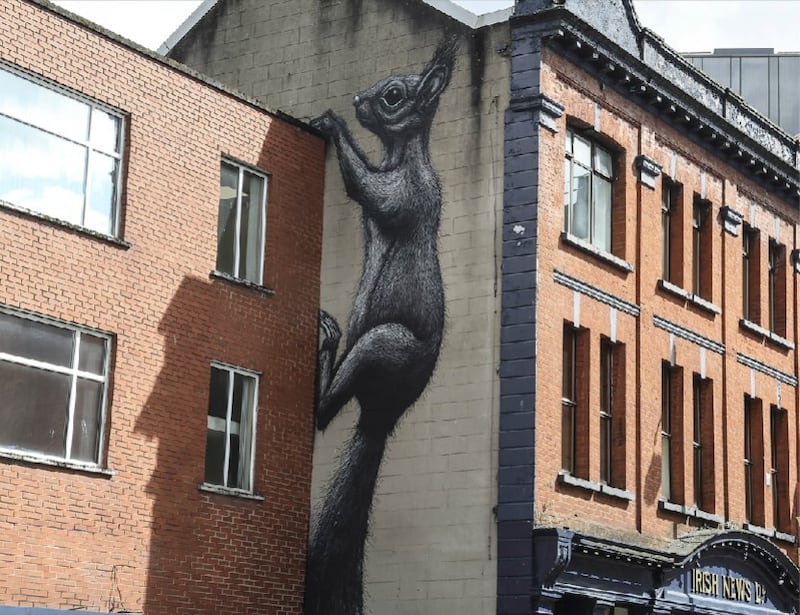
<point>690,511</point>
<point>770,532</point>
<point>607,257</point>
<point>227,491</point>
<point>768,335</point>
<point>565,478</point>
<point>63,464</point>
<point>226,277</point>
<point>691,298</point>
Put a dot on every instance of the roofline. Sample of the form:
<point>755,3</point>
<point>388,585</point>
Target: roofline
<point>448,7</point>
<point>172,64</point>
<point>187,24</point>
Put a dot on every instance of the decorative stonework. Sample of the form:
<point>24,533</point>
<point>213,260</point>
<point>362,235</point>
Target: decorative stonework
<point>688,335</point>
<point>648,169</point>
<point>731,220</point>
<point>547,109</point>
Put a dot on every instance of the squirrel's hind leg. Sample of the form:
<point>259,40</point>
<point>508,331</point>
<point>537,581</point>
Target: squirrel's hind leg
<point>330,334</point>
<point>388,349</point>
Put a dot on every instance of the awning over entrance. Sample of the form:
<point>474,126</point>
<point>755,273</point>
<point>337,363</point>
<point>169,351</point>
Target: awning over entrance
<point>708,571</point>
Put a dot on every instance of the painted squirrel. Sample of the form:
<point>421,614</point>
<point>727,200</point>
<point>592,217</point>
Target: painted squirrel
<point>395,327</point>
<point>396,324</point>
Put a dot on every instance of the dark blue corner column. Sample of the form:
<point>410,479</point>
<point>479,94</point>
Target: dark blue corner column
<point>528,109</point>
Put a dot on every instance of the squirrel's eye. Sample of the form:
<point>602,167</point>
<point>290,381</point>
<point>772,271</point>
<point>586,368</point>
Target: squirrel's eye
<point>393,96</point>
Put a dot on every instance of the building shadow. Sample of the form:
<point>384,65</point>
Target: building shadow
<point>212,553</point>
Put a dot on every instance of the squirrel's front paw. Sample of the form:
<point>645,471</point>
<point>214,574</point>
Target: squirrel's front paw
<point>324,123</point>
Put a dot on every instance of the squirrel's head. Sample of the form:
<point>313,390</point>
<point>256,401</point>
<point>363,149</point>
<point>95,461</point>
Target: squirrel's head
<point>404,104</point>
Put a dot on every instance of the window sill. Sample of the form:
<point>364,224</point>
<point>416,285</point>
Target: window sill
<point>63,224</point>
<point>565,478</point>
<point>226,277</point>
<point>63,464</point>
<point>766,334</point>
<point>695,300</point>
<point>690,511</point>
<point>769,533</point>
<point>607,257</point>
<point>228,491</point>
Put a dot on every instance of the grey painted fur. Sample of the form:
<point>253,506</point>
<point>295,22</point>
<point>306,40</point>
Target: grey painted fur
<point>396,323</point>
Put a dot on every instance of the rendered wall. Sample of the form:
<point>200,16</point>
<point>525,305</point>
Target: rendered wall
<point>142,536</point>
<point>433,540</point>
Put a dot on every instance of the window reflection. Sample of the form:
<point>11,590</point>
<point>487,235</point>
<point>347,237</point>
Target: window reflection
<point>50,154</point>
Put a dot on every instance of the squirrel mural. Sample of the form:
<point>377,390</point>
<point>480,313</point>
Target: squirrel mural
<point>396,324</point>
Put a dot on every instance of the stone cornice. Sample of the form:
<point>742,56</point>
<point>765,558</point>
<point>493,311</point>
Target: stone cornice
<point>766,369</point>
<point>689,335</point>
<point>670,87</point>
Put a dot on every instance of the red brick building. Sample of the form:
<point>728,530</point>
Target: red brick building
<point>159,288</point>
<point>658,369</point>
<point>639,445</point>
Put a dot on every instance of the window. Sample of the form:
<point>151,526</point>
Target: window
<point>575,402</point>
<point>241,223</point>
<point>60,154</point>
<point>606,407</point>
<point>671,235</point>
<point>569,399</point>
<point>751,275</point>
<point>53,388</point>
<point>753,461</point>
<point>779,465</point>
<point>703,443</point>
<point>777,288</point>
<point>671,433</point>
<point>701,249</point>
<point>231,427</point>
<point>612,413</point>
<point>588,173</point>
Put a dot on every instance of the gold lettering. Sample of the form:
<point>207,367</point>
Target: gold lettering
<point>748,592</point>
<point>714,585</point>
<point>760,592</point>
<point>742,588</point>
<point>697,581</point>
<point>726,588</point>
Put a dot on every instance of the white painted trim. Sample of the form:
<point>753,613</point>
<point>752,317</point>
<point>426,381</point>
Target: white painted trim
<point>447,7</point>
<point>495,17</point>
<point>74,373</point>
<point>183,29</point>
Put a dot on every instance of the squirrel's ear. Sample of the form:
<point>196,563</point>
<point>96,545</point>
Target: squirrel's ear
<point>433,83</point>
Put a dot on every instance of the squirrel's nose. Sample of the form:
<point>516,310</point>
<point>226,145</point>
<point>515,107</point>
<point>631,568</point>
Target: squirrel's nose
<point>356,99</point>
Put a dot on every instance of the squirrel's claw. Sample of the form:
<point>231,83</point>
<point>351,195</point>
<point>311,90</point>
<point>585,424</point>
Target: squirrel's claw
<point>331,333</point>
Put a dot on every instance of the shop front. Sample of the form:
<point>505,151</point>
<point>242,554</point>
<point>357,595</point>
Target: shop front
<point>708,572</point>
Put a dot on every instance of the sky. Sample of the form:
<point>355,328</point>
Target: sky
<point>686,25</point>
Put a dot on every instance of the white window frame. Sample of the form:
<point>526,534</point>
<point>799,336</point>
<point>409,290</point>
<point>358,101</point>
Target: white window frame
<point>117,155</point>
<point>594,173</point>
<point>262,231</point>
<point>232,369</point>
<point>74,373</point>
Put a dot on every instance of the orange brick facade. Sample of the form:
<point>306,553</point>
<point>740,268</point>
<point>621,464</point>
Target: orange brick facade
<point>138,534</point>
<point>636,132</point>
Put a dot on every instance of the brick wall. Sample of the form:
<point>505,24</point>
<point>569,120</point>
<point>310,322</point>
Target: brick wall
<point>432,547</point>
<point>144,537</point>
<point>702,338</point>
